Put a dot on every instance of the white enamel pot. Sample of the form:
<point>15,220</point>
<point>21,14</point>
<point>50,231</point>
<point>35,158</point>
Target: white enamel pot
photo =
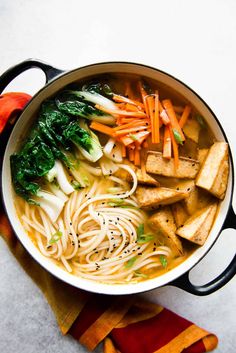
<point>56,80</point>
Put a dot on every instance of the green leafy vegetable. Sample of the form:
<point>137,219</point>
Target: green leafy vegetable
<point>145,238</point>
<point>55,237</point>
<point>163,261</point>
<point>201,121</point>
<point>177,137</point>
<point>130,262</point>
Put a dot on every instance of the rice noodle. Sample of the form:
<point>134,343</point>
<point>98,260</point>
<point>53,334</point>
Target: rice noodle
<point>98,232</point>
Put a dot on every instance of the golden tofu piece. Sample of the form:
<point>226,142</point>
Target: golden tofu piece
<point>202,153</point>
<point>191,202</point>
<point>156,164</point>
<point>145,179</point>
<point>197,228</point>
<point>163,221</point>
<point>150,198</point>
<point>179,212</point>
<point>214,172</point>
<point>192,129</point>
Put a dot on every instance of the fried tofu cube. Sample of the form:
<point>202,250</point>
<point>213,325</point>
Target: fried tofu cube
<point>197,228</point>
<point>163,221</point>
<point>214,172</point>
<point>179,212</point>
<point>150,198</point>
<point>156,164</point>
<point>191,201</point>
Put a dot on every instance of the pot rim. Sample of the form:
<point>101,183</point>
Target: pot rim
<point>129,288</point>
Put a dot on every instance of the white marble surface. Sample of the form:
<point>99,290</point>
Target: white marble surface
<point>193,40</point>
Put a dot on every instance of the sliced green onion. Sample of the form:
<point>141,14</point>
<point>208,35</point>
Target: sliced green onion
<point>133,137</point>
<point>201,121</point>
<point>145,238</point>
<point>130,262</point>
<point>55,237</point>
<point>115,202</point>
<point>129,206</point>
<point>177,137</point>
<point>140,230</point>
<point>76,185</point>
<point>140,274</point>
<point>163,261</point>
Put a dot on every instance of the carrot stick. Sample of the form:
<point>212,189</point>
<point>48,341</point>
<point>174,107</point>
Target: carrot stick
<point>102,128</point>
<point>164,117</point>
<point>131,154</point>
<point>137,156</point>
<point>118,112</point>
<point>131,130</point>
<point>184,116</point>
<point>175,149</point>
<point>134,123</point>
<point>156,119</point>
<point>123,150</point>
<point>150,105</point>
<point>121,99</point>
<point>167,143</point>
<point>145,144</point>
<point>173,120</point>
<point>143,95</point>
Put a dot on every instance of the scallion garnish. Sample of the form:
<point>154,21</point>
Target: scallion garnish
<point>163,261</point>
<point>115,202</point>
<point>145,238</point>
<point>177,137</point>
<point>130,262</point>
<point>55,237</point>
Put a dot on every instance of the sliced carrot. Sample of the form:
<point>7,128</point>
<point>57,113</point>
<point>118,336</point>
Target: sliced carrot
<point>167,143</point>
<point>131,154</point>
<point>173,120</point>
<point>175,149</point>
<point>123,150</point>
<point>102,128</point>
<point>137,155</point>
<point>130,130</point>
<point>143,95</point>
<point>134,123</point>
<point>121,99</point>
<point>117,112</point>
<point>164,117</point>
<point>184,116</point>
<point>156,119</point>
<point>145,144</point>
<point>150,105</point>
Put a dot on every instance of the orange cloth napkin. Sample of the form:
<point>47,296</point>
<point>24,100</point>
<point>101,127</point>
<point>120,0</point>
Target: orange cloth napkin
<point>125,324</point>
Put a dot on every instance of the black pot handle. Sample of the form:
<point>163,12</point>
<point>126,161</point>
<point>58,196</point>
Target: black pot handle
<point>184,283</point>
<point>14,71</point>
